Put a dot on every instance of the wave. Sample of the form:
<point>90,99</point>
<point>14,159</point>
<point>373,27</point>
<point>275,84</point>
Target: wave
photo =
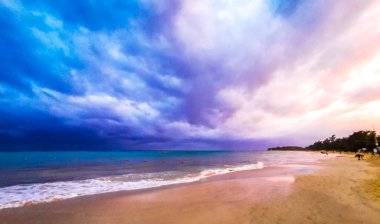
<point>20,195</point>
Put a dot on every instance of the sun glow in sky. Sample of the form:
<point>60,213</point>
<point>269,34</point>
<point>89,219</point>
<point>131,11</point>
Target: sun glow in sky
<point>199,74</point>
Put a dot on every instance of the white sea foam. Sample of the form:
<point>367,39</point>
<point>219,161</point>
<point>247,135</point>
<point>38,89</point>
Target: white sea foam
<point>19,195</point>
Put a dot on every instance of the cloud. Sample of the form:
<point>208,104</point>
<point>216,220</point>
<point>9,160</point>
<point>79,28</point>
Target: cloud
<point>198,74</point>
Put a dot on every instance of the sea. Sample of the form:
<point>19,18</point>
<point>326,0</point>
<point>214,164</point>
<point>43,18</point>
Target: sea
<point>36,177</point>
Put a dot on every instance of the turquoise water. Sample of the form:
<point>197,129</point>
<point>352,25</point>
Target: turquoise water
<point>35,177</point>
<point>38,167</point>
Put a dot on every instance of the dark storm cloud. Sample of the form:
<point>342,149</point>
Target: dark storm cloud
<point>173,74</point>
<point>24,59</point>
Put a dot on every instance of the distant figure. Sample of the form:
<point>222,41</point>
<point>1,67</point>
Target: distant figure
<point>374,152</point>
<point>359,155</point>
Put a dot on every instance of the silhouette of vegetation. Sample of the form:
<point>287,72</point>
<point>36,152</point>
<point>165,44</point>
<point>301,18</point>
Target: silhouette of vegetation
<point>286,148</point>
<point>357,140</point>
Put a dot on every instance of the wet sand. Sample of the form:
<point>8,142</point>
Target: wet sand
<point>336,193</point>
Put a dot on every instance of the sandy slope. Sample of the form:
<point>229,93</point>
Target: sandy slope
<point>338,194</point>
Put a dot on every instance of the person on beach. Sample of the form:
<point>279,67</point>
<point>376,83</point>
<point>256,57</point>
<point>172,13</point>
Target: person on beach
<point>377,151</point>
<point>374,152</point>
<point>359,155</point>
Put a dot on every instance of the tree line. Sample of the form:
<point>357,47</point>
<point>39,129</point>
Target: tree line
<point>286,148</point>
<point>357,140</point>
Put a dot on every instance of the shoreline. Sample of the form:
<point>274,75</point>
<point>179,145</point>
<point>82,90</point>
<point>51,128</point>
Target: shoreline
<point>270,195</point>
<point>255,173</point>
<point>20,195</point>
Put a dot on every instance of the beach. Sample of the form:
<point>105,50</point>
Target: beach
<point>337,190</point>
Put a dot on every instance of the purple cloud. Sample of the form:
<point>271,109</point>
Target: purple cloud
<point>194,74</point>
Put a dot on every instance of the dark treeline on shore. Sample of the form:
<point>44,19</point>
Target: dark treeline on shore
<point>286,148</point>
<point>357,140</point>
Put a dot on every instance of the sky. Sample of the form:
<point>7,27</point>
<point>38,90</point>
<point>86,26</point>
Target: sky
<point>190,74</point>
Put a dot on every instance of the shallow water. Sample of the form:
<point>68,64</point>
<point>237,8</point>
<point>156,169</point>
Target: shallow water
<point>32,177</point>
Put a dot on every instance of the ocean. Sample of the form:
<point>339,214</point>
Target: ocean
<point>35,177</point>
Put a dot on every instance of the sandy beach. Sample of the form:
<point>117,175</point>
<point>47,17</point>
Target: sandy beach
<point>339,190</point>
